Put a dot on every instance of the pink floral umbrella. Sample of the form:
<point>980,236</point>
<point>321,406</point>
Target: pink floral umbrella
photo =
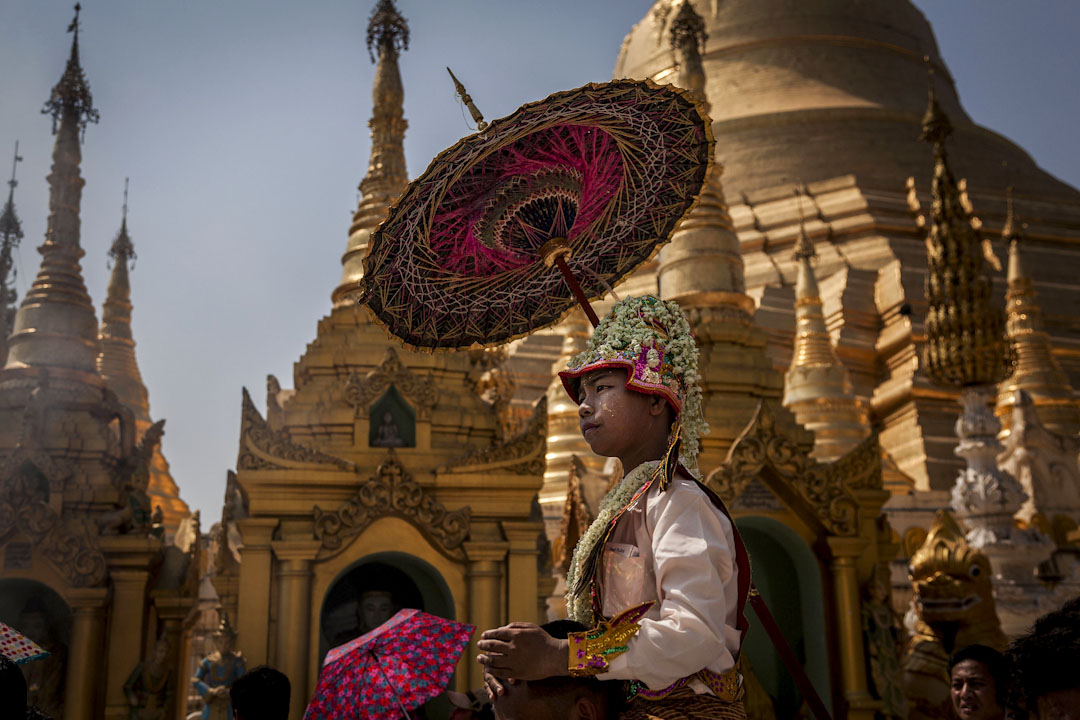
<point>589,181</point>
<point>19,648</point>
<point>395,668</point>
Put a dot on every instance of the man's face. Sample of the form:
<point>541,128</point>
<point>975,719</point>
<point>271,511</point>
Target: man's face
<point>376,611</point>
<point>224,643</point>
<point>35,626</point>
<point>973,692</point>
<point>521,703</point>
<point>609,414</point>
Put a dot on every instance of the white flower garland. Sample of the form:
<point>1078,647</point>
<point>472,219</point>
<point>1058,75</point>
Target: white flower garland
<point>579,607</point>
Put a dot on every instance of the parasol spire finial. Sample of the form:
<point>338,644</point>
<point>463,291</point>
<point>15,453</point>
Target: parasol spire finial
<point>477,116</point>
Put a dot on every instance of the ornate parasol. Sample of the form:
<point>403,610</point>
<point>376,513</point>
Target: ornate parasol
<point>571,192</point>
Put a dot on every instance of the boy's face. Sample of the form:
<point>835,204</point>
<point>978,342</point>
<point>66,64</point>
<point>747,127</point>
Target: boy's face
<point>610,415</point>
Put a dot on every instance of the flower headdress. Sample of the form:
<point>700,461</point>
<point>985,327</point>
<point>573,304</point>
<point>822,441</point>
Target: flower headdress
<point>651,339</point>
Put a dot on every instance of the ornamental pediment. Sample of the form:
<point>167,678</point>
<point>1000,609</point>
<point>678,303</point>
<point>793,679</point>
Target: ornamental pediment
<point>263,448</point>
<point>523,454</point>
<point>66,543</point>
<point>822,494</point>
<point>392,492</point>
<point>361,392</point>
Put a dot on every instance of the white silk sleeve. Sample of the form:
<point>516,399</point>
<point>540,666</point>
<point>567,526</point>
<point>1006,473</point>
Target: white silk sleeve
<point>695,583</point>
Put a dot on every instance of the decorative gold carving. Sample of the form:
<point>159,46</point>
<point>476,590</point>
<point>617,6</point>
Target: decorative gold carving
<point>67,544</point>
<point>263,448</point>
<point>761,452</point>
<point>954,608</point>
<point>362,392</point>
<point>522,454</point>
<point>965,331</point>
<point>391,491</point>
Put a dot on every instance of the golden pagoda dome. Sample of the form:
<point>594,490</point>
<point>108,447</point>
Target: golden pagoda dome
<point>802,92</point>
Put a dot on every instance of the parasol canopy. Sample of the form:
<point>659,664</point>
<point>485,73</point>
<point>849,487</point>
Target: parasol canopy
<point>591,181</point>
<point>393,669</point>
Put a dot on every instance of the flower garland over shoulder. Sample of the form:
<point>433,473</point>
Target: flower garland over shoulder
<point>579,607</point>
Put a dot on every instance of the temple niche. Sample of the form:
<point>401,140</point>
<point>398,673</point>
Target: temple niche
<point>90,569</point>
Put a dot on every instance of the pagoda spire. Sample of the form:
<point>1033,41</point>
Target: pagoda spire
<point>10,235</point>
<point>702,269</point>
<point>387,36</point>
<point>117,363</point>
<point>1037,370</point>
<point>55,326</point>
<point>817,387</point>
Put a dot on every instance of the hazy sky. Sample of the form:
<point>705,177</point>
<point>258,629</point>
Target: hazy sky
<point>243,128</point>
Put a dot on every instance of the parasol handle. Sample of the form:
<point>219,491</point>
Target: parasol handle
<point>554,252</point>
<point>390,684</point>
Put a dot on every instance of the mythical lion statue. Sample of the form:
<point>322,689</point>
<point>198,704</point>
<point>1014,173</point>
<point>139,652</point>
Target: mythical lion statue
<point>953,607</point>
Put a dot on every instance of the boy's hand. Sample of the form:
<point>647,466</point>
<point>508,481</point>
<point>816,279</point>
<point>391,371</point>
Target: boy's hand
<point>522,651</point>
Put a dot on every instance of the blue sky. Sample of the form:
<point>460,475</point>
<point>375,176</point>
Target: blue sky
<point>243,128</point>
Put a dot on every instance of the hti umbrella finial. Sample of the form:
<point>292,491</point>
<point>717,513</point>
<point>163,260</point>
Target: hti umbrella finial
<point>477,116</point>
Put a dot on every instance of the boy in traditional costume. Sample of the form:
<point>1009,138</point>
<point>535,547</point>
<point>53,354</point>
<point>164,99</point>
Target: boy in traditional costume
<point>661,576</point>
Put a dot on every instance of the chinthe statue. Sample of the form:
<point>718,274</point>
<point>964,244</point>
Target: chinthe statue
<point>954,607</point>
<point>217,672</point>
<point>148,688</point>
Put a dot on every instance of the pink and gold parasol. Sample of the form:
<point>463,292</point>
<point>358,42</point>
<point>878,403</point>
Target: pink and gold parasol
<point>552,205</point>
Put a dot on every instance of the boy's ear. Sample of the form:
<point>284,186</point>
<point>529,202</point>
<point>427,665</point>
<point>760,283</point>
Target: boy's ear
<point>657,405</point>
<point>586,709</point>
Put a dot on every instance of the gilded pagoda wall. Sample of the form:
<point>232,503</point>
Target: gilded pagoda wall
<point>337,502</point>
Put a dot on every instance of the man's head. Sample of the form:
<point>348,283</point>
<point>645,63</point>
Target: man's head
<point>977,676</point>
<point>376,607</point>
<point>559,697</point>
<point>12,688</point>
<point>260,694</point>
<point>1045,665</point>
<point>225,636</point>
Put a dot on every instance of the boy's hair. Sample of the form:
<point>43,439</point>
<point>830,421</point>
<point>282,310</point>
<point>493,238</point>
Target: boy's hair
<point>261,694</point>
<point>12,687</point>
<point>1046,659</point>
<point>559,693</point>
<point>991,659</point>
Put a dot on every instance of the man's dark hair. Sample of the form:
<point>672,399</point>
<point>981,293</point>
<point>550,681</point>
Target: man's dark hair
<point>555,690</point>
<point>12,687</point>
<point>1046,659</point>
<point>991,659</point>
<point>262,693</point>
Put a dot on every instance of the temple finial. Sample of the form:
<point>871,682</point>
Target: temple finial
<point>688,38</point>
<point>55,326</point>
<point>477,116</point>
<point>965,331</point>
<point>71,96</point>
<point>804,246</point>
<point>386,29</point>
<point>1037,371</point>
<point>386,178</point>
<point>10,235</point>
<point>817,386</point>
<point>123,250</point>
